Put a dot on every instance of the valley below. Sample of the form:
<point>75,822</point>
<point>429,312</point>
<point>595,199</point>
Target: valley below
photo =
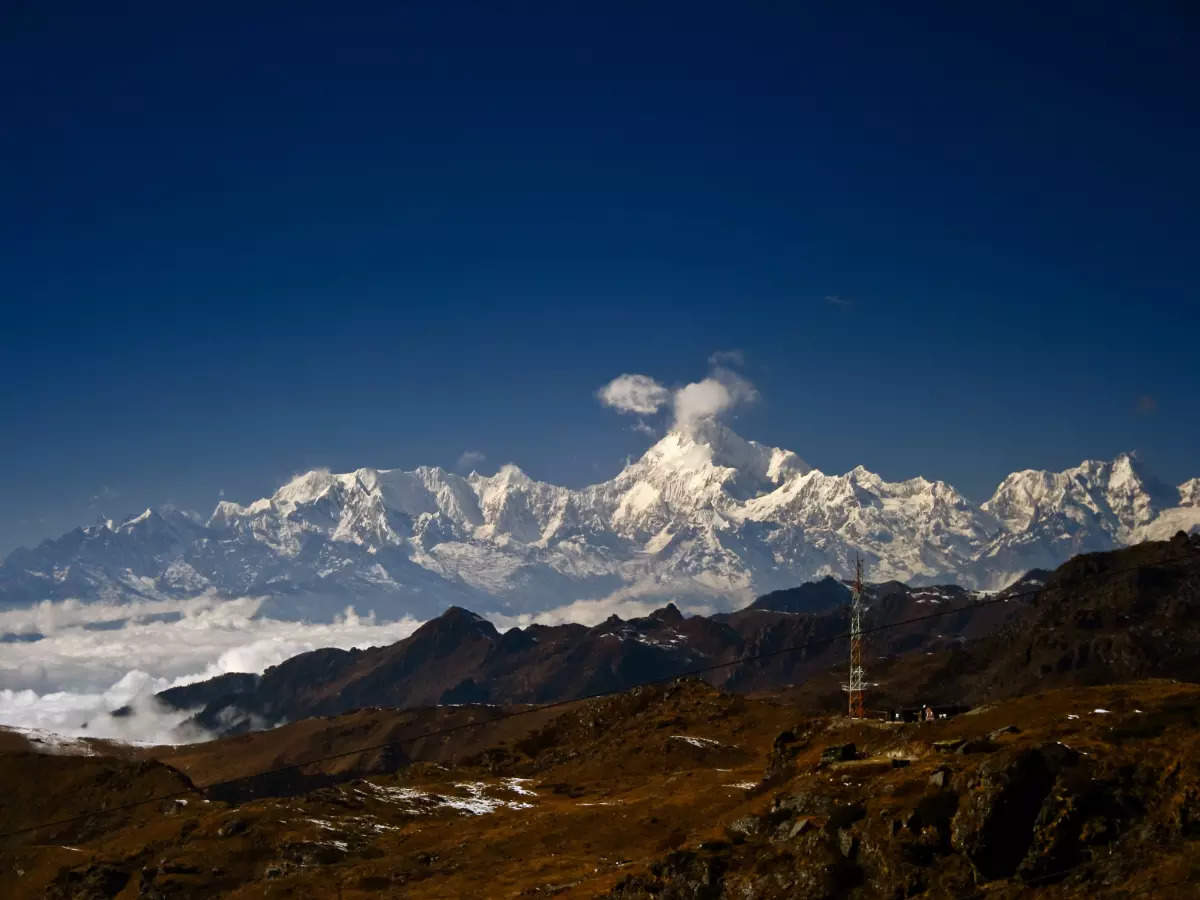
<point>1064,762</point>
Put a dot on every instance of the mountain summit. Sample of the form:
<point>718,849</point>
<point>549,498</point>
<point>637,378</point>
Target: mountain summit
<point>704,515</point>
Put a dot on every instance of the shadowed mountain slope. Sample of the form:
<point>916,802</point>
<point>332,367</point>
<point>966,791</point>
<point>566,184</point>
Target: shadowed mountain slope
<point>1067,625</point>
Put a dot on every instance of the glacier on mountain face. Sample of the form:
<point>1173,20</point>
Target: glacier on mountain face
<point>703,517</point>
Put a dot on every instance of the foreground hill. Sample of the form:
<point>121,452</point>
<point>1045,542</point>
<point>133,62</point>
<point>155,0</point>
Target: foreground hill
<point>1088,789</point>
<point>1101,618</point>
<point>679,791</point>
<point>703,514</point>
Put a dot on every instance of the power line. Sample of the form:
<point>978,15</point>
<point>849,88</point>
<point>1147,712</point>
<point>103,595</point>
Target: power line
<point>690,673</point>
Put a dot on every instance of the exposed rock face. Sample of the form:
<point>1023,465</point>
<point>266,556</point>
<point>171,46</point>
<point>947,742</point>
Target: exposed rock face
<point>1030,813</point>
<point>656,792</point>
<point>994,827</point>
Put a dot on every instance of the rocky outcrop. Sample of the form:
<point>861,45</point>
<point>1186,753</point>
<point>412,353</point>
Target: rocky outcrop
<point>654,793</point>
<point>1023,810</point>
<point>994,828</point>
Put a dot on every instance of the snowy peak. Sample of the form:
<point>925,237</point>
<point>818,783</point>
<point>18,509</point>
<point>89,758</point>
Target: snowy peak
<point>161,521</point>
<point>697,470</point>
<point>705,505</point>
<point>514,505</point>
<point>310,487</point>
<point>707,444</point>
<point>1189,492</point>
<point>1048,517</point>
<point>1115,497</point>
<point>704,516</point>
<point>1134,495</point>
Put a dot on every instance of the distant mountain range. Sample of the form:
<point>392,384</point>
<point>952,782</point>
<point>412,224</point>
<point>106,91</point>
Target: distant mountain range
<point>703,517</point>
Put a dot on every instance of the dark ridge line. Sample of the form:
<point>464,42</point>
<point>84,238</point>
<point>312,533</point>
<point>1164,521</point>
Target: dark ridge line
<point>561,703</point>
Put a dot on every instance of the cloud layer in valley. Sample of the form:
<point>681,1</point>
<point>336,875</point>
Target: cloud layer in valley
<point>65,666</point>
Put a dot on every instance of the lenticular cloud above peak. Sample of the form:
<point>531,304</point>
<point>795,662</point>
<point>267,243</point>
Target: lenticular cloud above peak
<point>77,663</point>
<point>711,397</point>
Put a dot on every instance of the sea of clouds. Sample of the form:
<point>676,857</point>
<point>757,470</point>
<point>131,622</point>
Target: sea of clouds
<point>64,667</point>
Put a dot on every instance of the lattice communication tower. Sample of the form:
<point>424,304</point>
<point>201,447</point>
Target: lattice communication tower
<point>856,666</point>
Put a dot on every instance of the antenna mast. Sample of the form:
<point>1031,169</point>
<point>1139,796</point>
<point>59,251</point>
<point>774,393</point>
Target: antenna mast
<point>856,666</point>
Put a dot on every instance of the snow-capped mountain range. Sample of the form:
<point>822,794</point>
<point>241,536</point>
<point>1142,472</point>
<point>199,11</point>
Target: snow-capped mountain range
<point>702,516</point>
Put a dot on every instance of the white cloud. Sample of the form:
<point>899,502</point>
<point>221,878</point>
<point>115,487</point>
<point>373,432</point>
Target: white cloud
<point>712,396</point>
<point>469,459</point>
<point>93,658</point>
<point>86,660</point>
<point>87,714</point>
<point>639,394</point>
<point>727,358</point>
<point>701,400</point>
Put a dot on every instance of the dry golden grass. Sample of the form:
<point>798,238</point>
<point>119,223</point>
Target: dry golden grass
<point>614,787</point>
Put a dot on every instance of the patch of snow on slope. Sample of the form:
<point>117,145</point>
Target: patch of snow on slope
<point>477,798</point>
<point>698,742</point>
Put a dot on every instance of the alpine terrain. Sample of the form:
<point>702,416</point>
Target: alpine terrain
<point>1063,761</point>
<point>704,517</point>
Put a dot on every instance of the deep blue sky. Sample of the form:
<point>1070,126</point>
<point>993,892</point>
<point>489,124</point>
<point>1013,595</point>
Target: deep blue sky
<point>238,242</point>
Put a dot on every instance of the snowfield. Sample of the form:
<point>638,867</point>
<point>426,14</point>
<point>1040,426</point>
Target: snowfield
<point>703,518</point>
